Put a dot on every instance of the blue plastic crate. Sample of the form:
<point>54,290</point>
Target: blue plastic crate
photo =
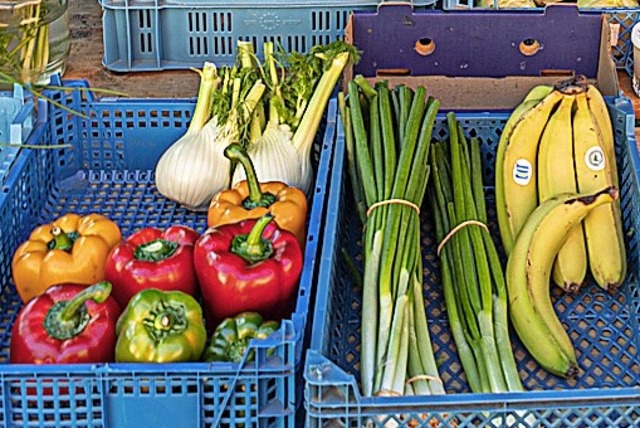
<point>604,328</point>
<point>17,114</point>
<point>143,35</point>
<point>621,21</point>
<point>109,169</point>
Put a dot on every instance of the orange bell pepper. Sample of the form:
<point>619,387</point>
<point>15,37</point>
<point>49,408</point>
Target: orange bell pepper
<point>251,200</point>
<point>72,249</point>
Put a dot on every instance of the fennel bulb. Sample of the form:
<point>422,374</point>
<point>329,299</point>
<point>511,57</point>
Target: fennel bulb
<point>275,159</point>
<point>281,150</point>
<point>193,169</point>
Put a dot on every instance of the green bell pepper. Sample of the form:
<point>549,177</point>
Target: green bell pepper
<point>159,327</point>
<point>231,338</point>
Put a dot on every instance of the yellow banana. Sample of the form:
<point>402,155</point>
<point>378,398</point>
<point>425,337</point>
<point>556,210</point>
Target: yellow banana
<point>556,174</point>
<point>528,271</point>
<point>598,107</point>
<point>535,95</point>
<point>603,226</point>
<point>518,181</point>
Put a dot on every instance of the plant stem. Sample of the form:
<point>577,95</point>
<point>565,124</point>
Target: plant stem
<point>386,124</point>
<point>303,137</point>
<point>356,186</point>
<point>365,165</point>
<point>425,349</point>
<point>370,315</point>
<point>394,352</point>
<point>209,80</point>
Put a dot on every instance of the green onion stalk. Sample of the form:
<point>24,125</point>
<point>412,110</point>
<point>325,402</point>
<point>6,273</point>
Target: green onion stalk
<point>472,276</point>
<point>388,135</point>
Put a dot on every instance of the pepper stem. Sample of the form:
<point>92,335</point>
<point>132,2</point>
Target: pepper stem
<point>98,292</point>
<point>156,250</point>
<point>62,240</point>
<point>166,319</point>
<point>67,318</point>
<point>235,152</point>
<point>253,247</point>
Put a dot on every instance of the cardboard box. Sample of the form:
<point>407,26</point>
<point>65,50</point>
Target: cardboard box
<point>481,60</point>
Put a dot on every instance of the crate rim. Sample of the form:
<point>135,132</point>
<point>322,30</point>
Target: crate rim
<point>244,4</point>
<point>471,400</point>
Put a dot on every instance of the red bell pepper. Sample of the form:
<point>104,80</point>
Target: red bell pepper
<point>253,265</point>
<point>152,258</point>
<point>66,324</point>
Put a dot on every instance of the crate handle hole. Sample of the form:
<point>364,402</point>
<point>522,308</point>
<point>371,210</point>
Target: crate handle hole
<point>425,46</point>
<point>557,73</point>
<point>530,47</point>
<point>393,72</point>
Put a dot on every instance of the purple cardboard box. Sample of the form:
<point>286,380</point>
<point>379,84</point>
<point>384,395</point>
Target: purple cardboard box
<point>479,60</point>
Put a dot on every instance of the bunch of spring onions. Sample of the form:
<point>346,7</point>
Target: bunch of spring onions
<point>473,280</point>
<point>388,135</point>
<point>273,108</point>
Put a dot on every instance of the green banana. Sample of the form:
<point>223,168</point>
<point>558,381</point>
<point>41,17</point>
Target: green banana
<point>535,95</point>
<point>528,272</point>
<point>556,174</point>
<point>538,93</point>
<point>517,187</point>
<point>603,226</point>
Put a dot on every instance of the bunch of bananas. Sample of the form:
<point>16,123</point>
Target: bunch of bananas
<point>558,211</point>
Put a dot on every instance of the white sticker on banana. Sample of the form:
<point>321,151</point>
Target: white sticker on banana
<point>522,172</point>
<point>594,158</point>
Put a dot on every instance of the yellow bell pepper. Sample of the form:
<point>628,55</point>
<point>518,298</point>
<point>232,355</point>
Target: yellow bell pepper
<point>289,207</point>
<point>72,249</point>
<point>250,199</point>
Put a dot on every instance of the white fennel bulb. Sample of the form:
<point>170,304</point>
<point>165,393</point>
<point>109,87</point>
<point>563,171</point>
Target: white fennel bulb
<point>194,168</point>
<point>276,159</point>
<point>281,150</point>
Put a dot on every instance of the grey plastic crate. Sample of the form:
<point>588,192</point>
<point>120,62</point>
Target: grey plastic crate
<point>143,35</point>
